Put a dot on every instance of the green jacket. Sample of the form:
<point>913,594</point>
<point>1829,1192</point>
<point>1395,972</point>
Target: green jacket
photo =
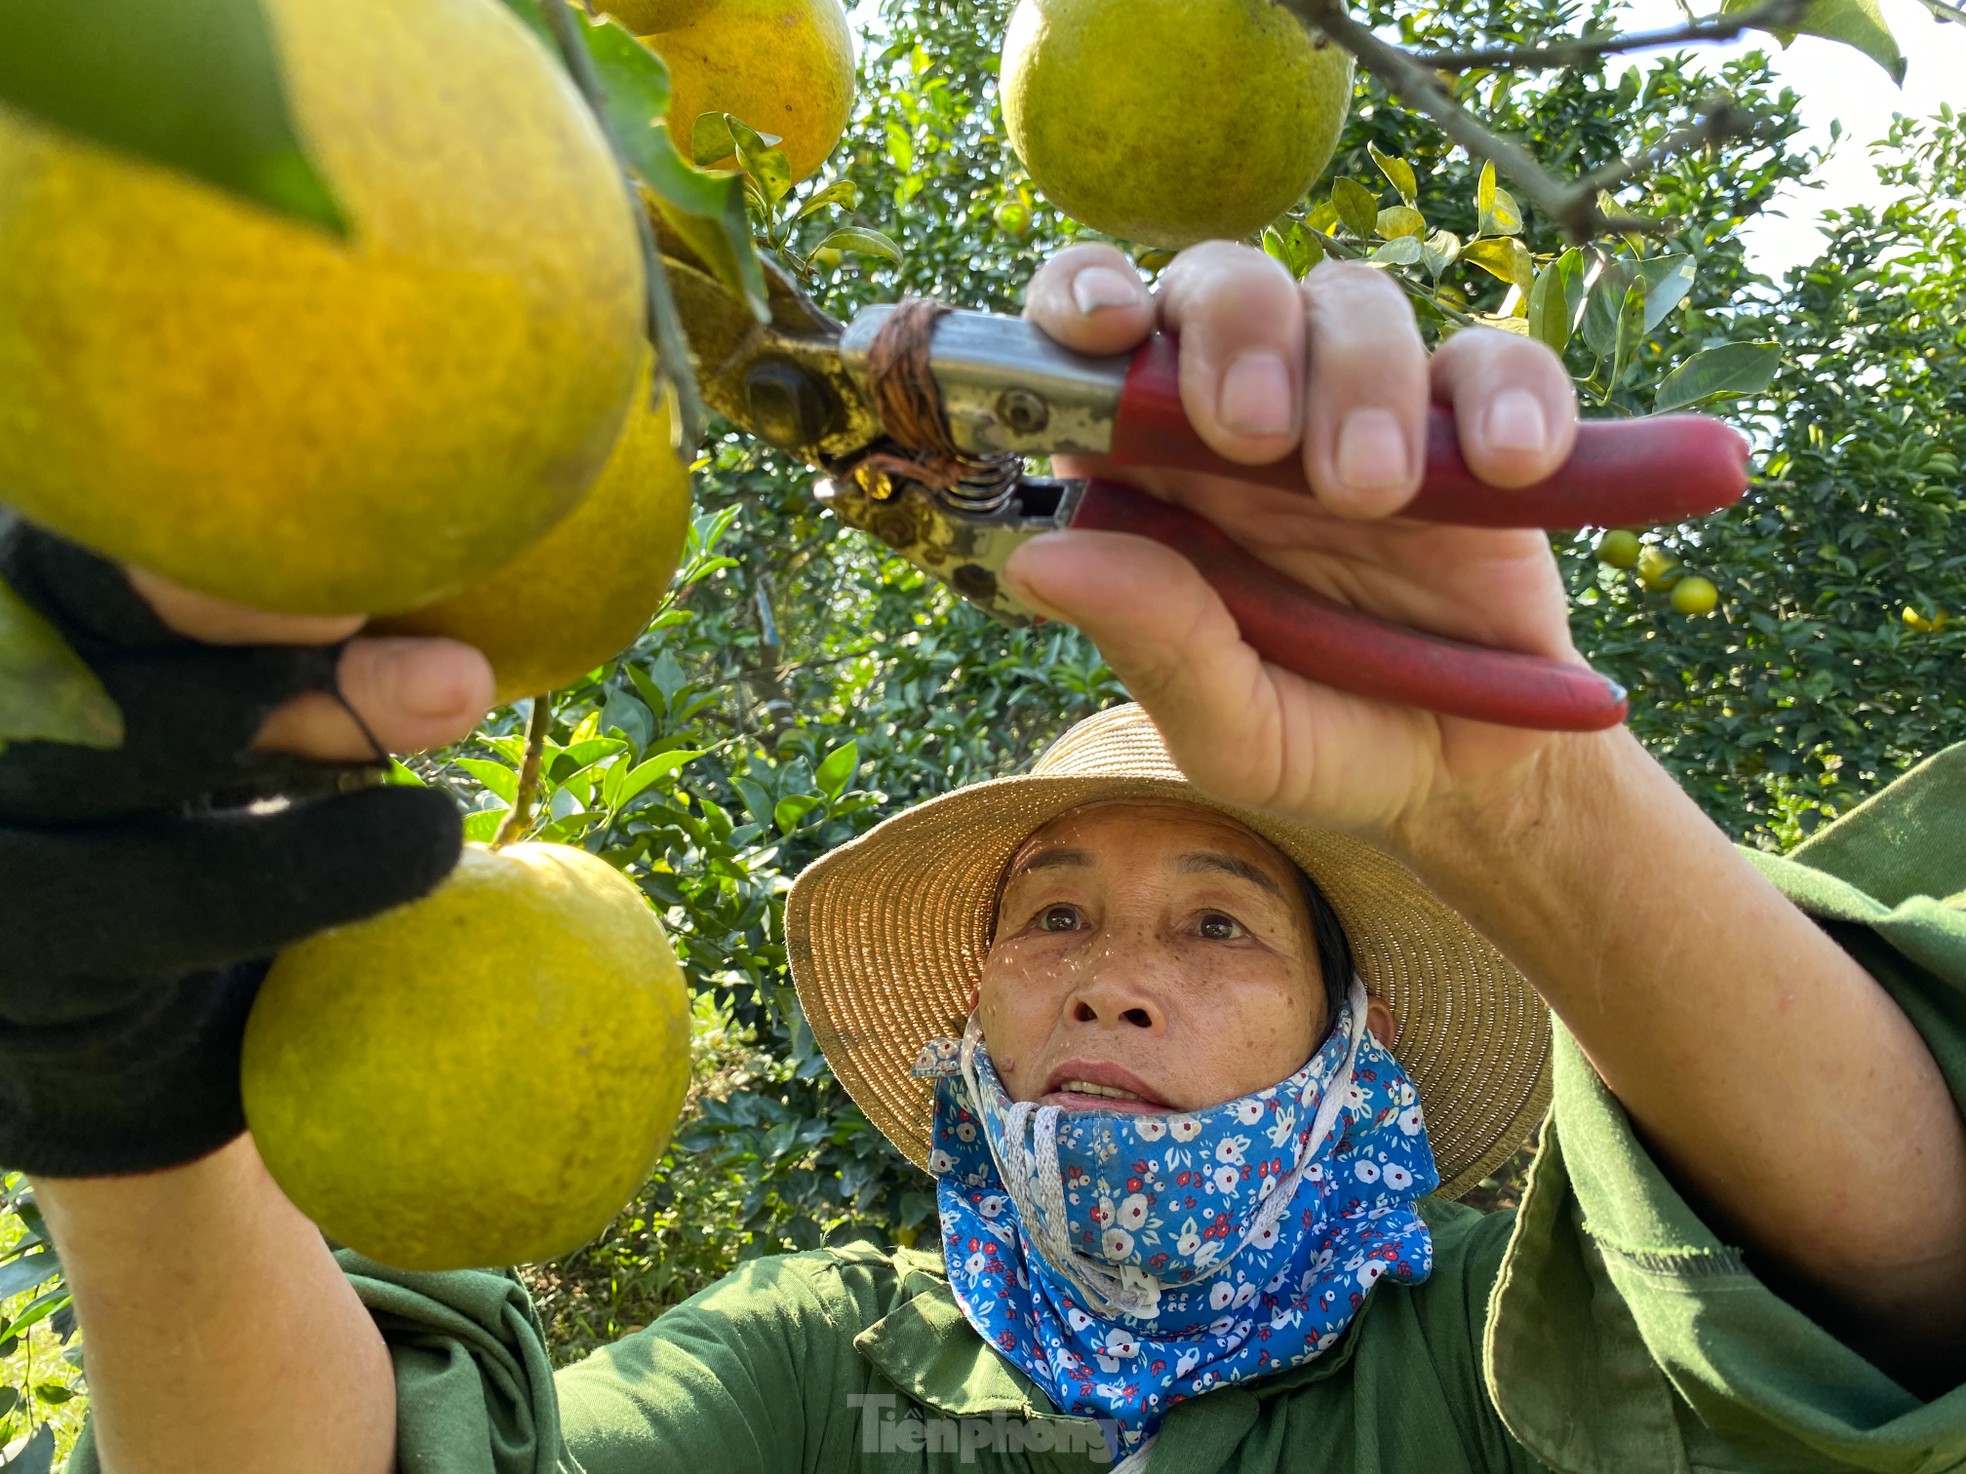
<point>1601,1329</point>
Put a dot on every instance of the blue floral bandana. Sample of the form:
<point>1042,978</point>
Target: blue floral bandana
<point>1127,1262</point>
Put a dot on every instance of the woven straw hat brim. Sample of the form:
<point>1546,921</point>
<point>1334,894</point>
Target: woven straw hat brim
<point>886,937</point>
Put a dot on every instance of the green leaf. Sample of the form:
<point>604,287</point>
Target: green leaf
<point>1605,303</point>
<point>1403,252</point>
<point>790,810</point>
<point>1712,373</point>
<point>1554,299</point>
<point>481,825</point>
<point>37,1455</point>
<point>1399,173</point>
<point>1495,207</point>
<point>838,769</point>
<point>1357,207</point>
<point>841,193</point>
<point>46,693</point>
<point>193,85</point>
<point>1667,281</point>
<point>38,1310</point>
<point>655,769</point>
<point>29,1272</point>
<point>1440,251</point>
<point>706,210</point>
<point>1856,23</point>
<point>1289,242</point>
<point>862,242</point>
<point>495,777</point>
<point>1631,328</point>
<point>1400,220</point>
<point>1504,257</point>
<point>900,147</point>
<point>53,1394</point>
<point>767,165</point>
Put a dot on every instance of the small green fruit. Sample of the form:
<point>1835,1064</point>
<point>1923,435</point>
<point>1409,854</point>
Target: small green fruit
<point>1619,548</point>
<point>1658,570</point>
<point>1695,595</point>
<point>1013,218</point>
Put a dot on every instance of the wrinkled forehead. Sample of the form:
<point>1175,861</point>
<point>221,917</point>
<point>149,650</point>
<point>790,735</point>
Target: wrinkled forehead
<point>1212,824</point>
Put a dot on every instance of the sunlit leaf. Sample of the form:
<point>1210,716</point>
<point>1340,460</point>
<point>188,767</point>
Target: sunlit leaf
<point>1496,209</point>
<point>843,194</point>
<point>1399,173</point>
<point>1606,301</point>
<point>762,160</point>
<point>1554,298</point>
<point>1440,251</point>
<point>46,692</point>
<point>1402,252</point>
<point>1400,220</point>
<point>193,85</point>
<point>1712,373</point>
<point>1856,23</point>
<point>1667,281</point>
<point>1504,257</point>
<point>1631,328</point>
<point>1357,207</point>
<point>862,242</point>
<point>838,769</point>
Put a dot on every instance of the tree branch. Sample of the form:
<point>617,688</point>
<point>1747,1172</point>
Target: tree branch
<point>518,818</point>
<point>1943,13</point>
<point>1773,14</point>
<point>1573,206</point>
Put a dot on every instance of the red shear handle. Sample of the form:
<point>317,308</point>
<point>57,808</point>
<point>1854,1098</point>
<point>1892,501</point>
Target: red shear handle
<point>1622,473</point>
<point>1320,638</point>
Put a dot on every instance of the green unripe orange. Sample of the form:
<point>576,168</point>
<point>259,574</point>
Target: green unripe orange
<point>1695,595</point>
<point>1619,548</point>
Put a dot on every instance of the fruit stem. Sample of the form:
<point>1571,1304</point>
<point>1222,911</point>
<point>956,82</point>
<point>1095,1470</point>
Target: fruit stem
<point>519,818</point>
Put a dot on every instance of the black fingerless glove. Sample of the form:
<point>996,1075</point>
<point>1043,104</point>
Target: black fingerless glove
<point>142,889</point>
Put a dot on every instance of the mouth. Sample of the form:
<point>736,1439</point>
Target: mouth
<point>1088,1085</point>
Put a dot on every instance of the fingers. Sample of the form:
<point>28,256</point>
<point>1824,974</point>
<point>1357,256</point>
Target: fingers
<point>1515,408</point>
<point>1091,299</point>
<point>218,622</point>
<point>411,694</point>
<point>1241,323</point>
<point>1366,409</point>
<point>1164,631</point>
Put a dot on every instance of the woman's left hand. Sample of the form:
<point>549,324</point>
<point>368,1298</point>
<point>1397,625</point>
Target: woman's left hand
<point>1331,369</point>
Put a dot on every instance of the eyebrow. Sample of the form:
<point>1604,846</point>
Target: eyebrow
<point>1047,859</point>
<point>1202,861</point>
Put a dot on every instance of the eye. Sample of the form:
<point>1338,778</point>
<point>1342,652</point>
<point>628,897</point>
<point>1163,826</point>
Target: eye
<point>1059,918</point>
<point>1215,926</point>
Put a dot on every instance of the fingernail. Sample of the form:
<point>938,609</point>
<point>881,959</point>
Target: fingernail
<point>1516,422</point>
<point>421,681</point>
<point>1256,395</point>
<point>1372,451</point>
<point>1101,286</point>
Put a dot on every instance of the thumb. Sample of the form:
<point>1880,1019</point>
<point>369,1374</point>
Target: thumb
<point>170,896</point>
<point>1173,644</point>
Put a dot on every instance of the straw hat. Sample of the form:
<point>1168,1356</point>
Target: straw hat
<point>887,935</point>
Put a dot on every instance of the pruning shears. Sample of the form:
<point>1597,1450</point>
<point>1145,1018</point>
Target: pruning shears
<point>921,421</point>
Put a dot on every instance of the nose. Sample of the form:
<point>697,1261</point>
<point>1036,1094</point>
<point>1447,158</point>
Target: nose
<point>1116,992</point>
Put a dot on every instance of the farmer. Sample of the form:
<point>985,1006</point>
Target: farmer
<point>1202,1024</point>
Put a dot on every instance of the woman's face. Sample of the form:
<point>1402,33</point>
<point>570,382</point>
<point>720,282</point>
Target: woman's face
<point>1154,948</point>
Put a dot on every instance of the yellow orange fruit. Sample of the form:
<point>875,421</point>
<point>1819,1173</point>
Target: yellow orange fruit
<point>480,1077</point>
<point>785,67</point>
<point>581,593</point>
<point>254,408</point>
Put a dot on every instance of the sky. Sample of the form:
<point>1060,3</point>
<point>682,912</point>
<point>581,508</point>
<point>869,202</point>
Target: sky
<point>1837,82</point>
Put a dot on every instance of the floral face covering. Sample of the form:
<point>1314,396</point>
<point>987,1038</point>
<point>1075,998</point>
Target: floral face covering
<point>1126,1262</point>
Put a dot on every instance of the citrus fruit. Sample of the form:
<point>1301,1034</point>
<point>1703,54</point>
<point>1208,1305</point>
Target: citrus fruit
<point>1013,218</point>
<point>581,593</point>
<point>259,410</point>
<point>783,66</point>
<point>1619,548</point>
<point>480,1077</point>
<point>646,17</point>
<point>1657,569</point>
<point>1695,595</point>
<point>827,258</point>
<point>1171,121</point>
